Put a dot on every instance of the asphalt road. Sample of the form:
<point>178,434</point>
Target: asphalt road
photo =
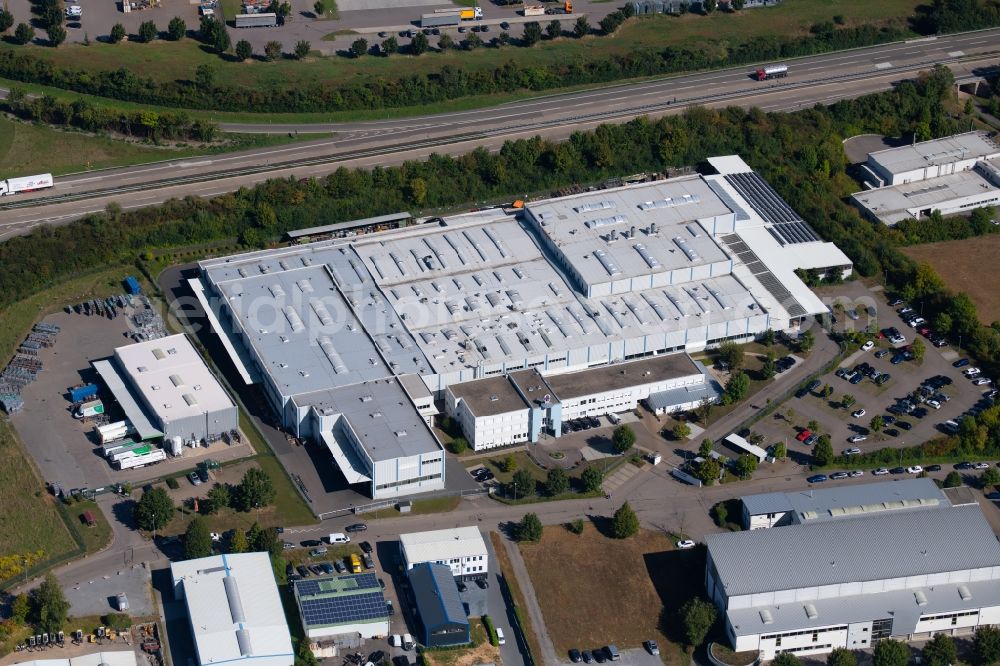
<point>819,79</point>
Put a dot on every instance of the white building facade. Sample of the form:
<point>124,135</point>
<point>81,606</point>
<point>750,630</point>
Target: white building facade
<point>462,549</point>
<point>811,588</point>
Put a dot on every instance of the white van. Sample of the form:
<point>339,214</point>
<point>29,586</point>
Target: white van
<point>339,537</point>
<point>407,642</point>
<point>500,638</point>
<point>614,418</point>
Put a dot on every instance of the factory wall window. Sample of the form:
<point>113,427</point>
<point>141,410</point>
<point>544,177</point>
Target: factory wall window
<point>802,633</point>
<point>406,482</point>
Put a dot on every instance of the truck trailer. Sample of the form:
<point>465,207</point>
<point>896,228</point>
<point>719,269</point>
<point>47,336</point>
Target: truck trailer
<point>25,184</point>
<point>265,20</point>
<point>772,72</point>
<point>154,456</point>
<point>533,10</point>
<point>441,19</point>
<point>82,392</point>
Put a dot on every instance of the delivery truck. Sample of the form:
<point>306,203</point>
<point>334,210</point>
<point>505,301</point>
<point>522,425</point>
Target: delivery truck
<point>441,19</point>
<point>89,409</point>
<point>150,458</point>
<point>25,184</point>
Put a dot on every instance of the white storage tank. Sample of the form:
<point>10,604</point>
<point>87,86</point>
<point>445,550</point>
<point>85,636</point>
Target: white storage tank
<point>176,446</point>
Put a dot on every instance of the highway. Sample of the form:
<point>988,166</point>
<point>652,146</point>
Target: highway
<point>817,79</point>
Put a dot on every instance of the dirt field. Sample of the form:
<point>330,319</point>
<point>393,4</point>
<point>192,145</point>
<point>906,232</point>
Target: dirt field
<point>594,590</point>
<point>960,264</point>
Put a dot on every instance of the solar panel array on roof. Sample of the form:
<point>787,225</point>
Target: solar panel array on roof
<point>307,587</point>
<point>762,197</point>
<point>340,610</point>
<point>793,232</point>
<point>763,275</point>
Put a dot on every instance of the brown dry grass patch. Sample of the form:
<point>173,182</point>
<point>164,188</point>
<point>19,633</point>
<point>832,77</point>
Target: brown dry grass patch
<point>960,264</point>
<point>594,590</point>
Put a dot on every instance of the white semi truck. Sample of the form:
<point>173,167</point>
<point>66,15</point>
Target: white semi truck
<point>25,184</point>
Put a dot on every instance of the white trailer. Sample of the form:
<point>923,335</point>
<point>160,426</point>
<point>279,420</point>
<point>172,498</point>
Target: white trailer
<point>139,461</point>
<point>262,20</point>
<point>533,10</point>
<point>25,184</point>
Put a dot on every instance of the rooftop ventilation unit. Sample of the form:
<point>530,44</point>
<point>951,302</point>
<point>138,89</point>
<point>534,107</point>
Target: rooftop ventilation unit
<point>190,399</point>
<point>766,617</point>
<point>305,286</point>
<point>497,242</point>
<point>294,320</point>
<point>591,206</point>
<point>670,202</point>
<point>336,361</point>
<point>276,290</point>
<point>920,597</point>
<point>176,380</point>
<point>811,611</point>
<point>650,260</point>
<point>686,249</point>
<point>158,354</point>
<point>606,221</point>
<point>609,265</point>
<point>964,593</point>
<point>321,312</point>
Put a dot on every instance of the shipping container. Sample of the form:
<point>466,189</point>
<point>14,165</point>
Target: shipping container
<point>81,393</point>
<point>266,20</point>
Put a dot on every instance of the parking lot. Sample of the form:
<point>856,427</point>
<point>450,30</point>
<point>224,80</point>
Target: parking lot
<point>877,383</point>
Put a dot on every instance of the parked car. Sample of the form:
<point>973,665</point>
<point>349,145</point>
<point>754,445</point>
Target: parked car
<point>817,478</point>
<point>574,656</point>
<point>684,544</point>
<point>340,567</point>
<point>303,571</point>
<point>853,451</point>
<point>981,381</point>
<point>482,583</point>
<point>881,471</point>
<point>855,473</point>
<point>904,425</point>
<point>868,346</point>
<point>960,363</point>
<point>891,432</point>
<point>836,476</point>
<point>365,547</point>
<point>317,552</point>
<point>588,657</point>
<point>858,413</point>
<point>194,479</point>
<point>651,647</point>
<point>933,468</point>
<point>914,469</point>
<point>356,527</point>
<point>971,372</point>
<point>881,353</point>
<point>981,465</point>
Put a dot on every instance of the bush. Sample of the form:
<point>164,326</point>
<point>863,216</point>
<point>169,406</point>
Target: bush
<point>458,445</point>
<point>147,31</point>
<point>172,483</point>
<point>117,33</point>
<point>272,50</point>
<point>720,514</point>
<point>624,523</point>
<point>491,631</point>
<point>556,482</point>
<point>244,50</point>
<point>23,33</point>
<point>117,621</point>
<point>56,34</point>
<point>697,617</point>
<point>592,478</point>
<point>575,526</point>
<point>176,29</point>
<point>6,20</point>
<point>302,48</point>
<point>530,528</point>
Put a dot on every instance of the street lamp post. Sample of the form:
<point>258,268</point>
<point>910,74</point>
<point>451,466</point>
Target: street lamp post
<point>154,528</point>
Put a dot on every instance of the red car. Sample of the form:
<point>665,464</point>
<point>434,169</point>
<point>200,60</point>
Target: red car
<point>925,331</point>
<point>803,436</point>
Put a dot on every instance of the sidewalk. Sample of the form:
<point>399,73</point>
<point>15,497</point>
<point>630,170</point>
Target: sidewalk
<point>533,609</point>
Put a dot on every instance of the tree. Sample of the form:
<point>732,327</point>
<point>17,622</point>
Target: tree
<point>531,33</point>
<point>553,29</point>
<point>239,544</point>
<point>319,8</point>
<point>154,510</point>
<point>841,657</point>
<point>806,341</point>
<point>20,608</point>
<point>204,76</point>
<point>522,484</point>
<point>51,607</point>
<point>221,41</point>
<point>786,659</point>
<point>780,450</point>
<point>697,617</point>
<point>919,349</point>
<point>770,367</point>
<point>530,528</point>
<point>847,401</point>
<point>304,655</point>
<point>709,5</point>
<point>419,44</point>
<point>473,41</point>
<point>255,489</point>
<point>953,480</point>
<point>176,29</point>
<point>581,28</point>
<point>302,48</point>
<point>147,31</point>
<point>244,50</point>
<point>705,449</point>
<point>705,409</point>
<point>458,445</point>
<point>266,541</point>
<point>623,438</point>
<point>6,20</point>
<point>708,471</point>
<point>890,652</point>
<point>508,464</point>
<point>358,48</point>
<point>390,45</point>
<point>731,355</point>
<point>986,645</point>
<point>446,42</point>
<point>624,523</point>
<point>877,423</point>
<point>720,514</point>
<point>939,651</point>
<point>272,50</point>
<point>990,477</point>
<point>736,388</point>
<point>253,536</point>
<point>592,479</point>
<point>219,497</point>
<point>23,33</point>
<point>681,431</point>
<point>197,539</point>
<point>823,451</point>
<point>813,425</point>
<point>556,482</point>
<point>746,465</point>
<point>56,34</point>
<point>767,337</point>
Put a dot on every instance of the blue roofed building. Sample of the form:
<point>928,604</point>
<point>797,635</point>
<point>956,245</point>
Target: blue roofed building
<point>442,615</point>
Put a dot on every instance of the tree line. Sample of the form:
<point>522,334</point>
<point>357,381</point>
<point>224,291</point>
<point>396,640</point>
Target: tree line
<point>82,114</point>
<point>454,82</point>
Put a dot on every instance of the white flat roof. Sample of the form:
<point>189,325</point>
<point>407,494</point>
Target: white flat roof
<point>172,377</point>
<point>235,610</point>
<point>442,544</point>
<point>103,658</point>
<point>893,203</point>
<point>970,145</point>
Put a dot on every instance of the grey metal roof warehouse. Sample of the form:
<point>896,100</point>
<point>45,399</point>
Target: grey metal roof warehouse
<point>876,546</point>
<point>944,150</point>
<point>817,504</point>
<point>436,595</point>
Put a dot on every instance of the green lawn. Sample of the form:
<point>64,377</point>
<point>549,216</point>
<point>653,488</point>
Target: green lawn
<point>30,148</point>
<point>169,61</point>
<point>30,520</point>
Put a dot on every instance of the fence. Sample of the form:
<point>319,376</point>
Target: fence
<point>388,503</point>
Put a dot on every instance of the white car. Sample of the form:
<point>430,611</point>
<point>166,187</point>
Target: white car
<point>982,381</point>
<point>881,471</point>
<point>852,452</point>
<point>855,474</point>
<point>854,439</point>
<point>915,469</point>
<point>74,11</point>
<point>981,465</point>
<point>868,346</point>
<point>934,403</point>
<point>858,414</point>
<point>685,544</point>
<point>971,372</point>
<point>216,536</point>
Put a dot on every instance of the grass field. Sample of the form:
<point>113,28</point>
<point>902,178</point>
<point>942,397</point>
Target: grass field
<point>960,264</point>
<point>29,520</point>
<point>168,61</point>
<point>594,590</point>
